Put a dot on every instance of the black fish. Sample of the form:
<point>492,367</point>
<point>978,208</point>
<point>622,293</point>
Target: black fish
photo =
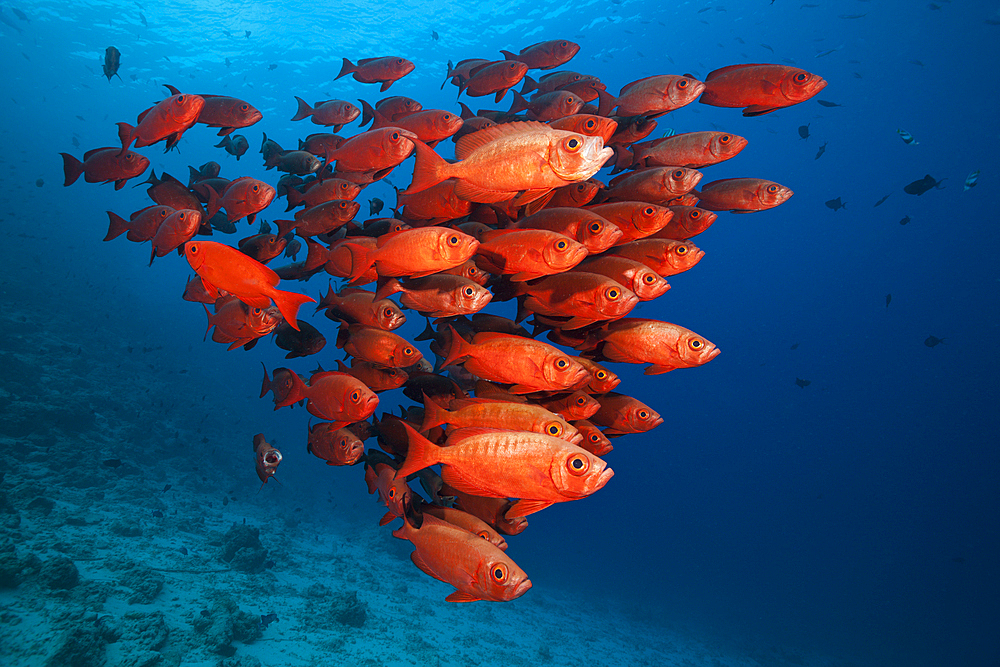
<point>112,60</point>
<point>888,300</point>
<point>272,66</point>
<point>158,514</point>
<point>922,185</point>
<point>265,227</point>
<point>933,340</point>
<point>794,346</point>
<point>143,19</point>
<point>112,463</point>
<point>40,182</point>
<point>881,201</point>
<point>307,340</point>
<point>167,488</point>
<point>802,383</point>
<point>434,35</point>
<point>248,34</point>
<point>804,131</point>
<point>292,249</point>
<point>822,149</point>
<point>905,220</point>
<point>375,205</point>
<point>19,14</point>
<point>235,144</point>
<point>824,103</point>
<point>836,204</point>
<point>184,551</point>
<point>267,619</point>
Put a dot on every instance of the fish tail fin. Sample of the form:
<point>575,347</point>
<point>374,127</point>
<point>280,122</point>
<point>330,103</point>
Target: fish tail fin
<point>457,348</point>
<point>263,142</point>
<point>420,454</point>
<point>214,202</point>
<point>288,303</point>
<point>529,85</point>
<point>507,55</point>
<point>370,113</point>
<point>434,414</point>
<point>118,226</point>
<point>519,104</point>
<point>623,158</point>
<point>126,133</point>
<point>388,288</point>
<point>284,226</point>
<point>606,103</point>
<point>362,259</point>
<point>304,110</point>
<point>466,111</point>
<point>294,197</point>
<point>428,333</point>
<point>295,394</point>
<point>225,143</point>
<point>347,68</point>
<point>72,168</point>
<point>265,385</point>
<point>208,313</point>
<point>428,168</point>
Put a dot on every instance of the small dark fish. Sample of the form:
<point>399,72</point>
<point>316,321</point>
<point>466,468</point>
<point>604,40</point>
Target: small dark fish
<point>824,103</point>
<point>227,33</point>
<point>766,46</point>
<point>852,16</point>
<point>794,346</point>
<point>39,183</point>
<point>265,227</point>
<point>803,383</point>
<point>375,205</point>
<point>836,204</point>
<point>804,131</point>
<point>112,463</point>
<point>825,53</point>
<point>932,6</point>
<point>881,201</point>
<point>235,144</point>
<point>143,19</point>
<point>75,142</point>
<point>857,75</point>
<point>822,149</point>
<point>917,63</point>
<point>112,61</point>
<point>933,340</point>
<point>267,619</point>
<point>906,136</point>
<point>888,300</point>
<point>292,249</point>
<point>167,488</point>
<point>183,551</point>
<point>924,184</point>
<point>19,14</point>
<point>248,34</point>
<point>434,35</point>
<point>905,220</point>
<point>228,64</point>
<point>971,180</point>
<point>158,514</point>
<point>704,9</point>
<point>272,66</point>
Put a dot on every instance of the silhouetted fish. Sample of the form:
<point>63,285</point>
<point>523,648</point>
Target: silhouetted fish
<point>112,61</point>
<point>905,220</point>
<point>829,104</point>
<point>794,346</point>
<point>802,383</point>
<point>375,205</point>
<point>922,185</point>
<point>933,340</point>
<point>112,463</point>
<point>822,149</point>
<point>835,204</point>
<point>167,488</point>
<point>881,201</point>
<point>804,131</point>
<point>267,619</point>
<point>888,300</point>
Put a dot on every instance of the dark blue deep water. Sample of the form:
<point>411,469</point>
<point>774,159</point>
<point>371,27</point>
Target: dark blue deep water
<point>853,521</point>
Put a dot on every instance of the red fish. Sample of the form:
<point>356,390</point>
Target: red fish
<point>525,254</point>
<point>322,191</point>
<point>477,569</point>
<point>262,247</point>
<point>460,72</point>
<point>336,446</point>
<point>636,220</point>
<point>374,150</point>
<point>621,414</point>
<point>245,197</point>
<point>179,227</point>
<point>545,55</point>
<point>467,521</point>
<point>665,256</point>
<point>547,107</point>
<point>439,295</point>
<point>226,268</point>
<point>321,143</point>
<point>514,416</point>
<point>589,124</point>
<point>337,397</point>
<point>652,96</point>
<point>492,77</point>
<point>393,108</point>
<point>141,225</point>
<point>742,195</point>
<point>280,387</point>
<point>225,113</point>
<point>358,306</point>
<point>320,219</point>
<point>438,203</point>
<point>663,345</point>
<point>331,113</point>
<point>688,221</point>
<point>412,253</point>
<point>574,195</point>
<point>643,281</point>
<point>657,185</point>
<point>377,377</point>
<point>690,149</point>
<point>385,70</point>
<point>378,346</point>
<point>594,440</point>
<point>537,468</point>
<point>575,299</point>
<point>395,494</point>
<point>167,120</point>
<point>104,165</point>
<point>266,459</point>
<point>240,325</point>
<point>430,125</point>
<point>760,89</point>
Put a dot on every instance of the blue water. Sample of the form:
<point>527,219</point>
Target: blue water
<point>854,517</point>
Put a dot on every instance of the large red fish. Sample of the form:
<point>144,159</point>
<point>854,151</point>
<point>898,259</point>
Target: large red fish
<point>644,282</point>
<point>489,78</point>
<point>663,345</point>
<point>429,125</point>
<point>652,96</point>
<point>760,89</point>
<point>467,413</point>
<point>688,221</point>
<point>385,70</point>
<point>476,568</point>
<point>178,228</point>
<point>435,205</point>
<point>545,55</point>
<point>742,195</point>
<point>244,198</point>
<point>334,396</point>
<point>358,306</point>
<point>439,295</point>
<point>374,150</point>
<point>665,256</point>
<point>225,113</point>
<point>412,252</point>
<point>575,299</point>
<point>537,468</point>
<point>336,446</point>
<point>690,149</point>
<point>331,113</point>
<point>104,165</point>
<point>547,107</point>
<point>621,414</point>
<point>226,268</point>
<point>141,225</point>
<point>657,185</point>
<point>469,522</point>
<point>525,254</point>
<point>167,120</point>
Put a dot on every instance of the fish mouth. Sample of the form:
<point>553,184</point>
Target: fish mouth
<point>520,589</point>
<point>603,478</point>
<point>575,439</point>
<point>712,355</point>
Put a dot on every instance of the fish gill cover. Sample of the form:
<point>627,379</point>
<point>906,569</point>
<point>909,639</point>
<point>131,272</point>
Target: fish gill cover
<point>539,239</point>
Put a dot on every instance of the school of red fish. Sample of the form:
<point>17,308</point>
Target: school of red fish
<point>517,215</point>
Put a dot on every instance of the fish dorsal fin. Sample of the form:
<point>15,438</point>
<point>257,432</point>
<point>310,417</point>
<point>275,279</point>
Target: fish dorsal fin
<point>627,86</point>
<point>480,138</point>
<point>95,150</point>
<point>487,336</point>
<point>365,61</point>
<point>729,68</point>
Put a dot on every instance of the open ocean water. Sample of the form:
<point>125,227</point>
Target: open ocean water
<point>823,493</point>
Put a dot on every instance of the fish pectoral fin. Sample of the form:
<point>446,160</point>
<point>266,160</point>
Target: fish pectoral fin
<point>758,110</point>
<point>459,596</point>
<point>657,369</point>
<point>524,507</point>
<point>474,193</point>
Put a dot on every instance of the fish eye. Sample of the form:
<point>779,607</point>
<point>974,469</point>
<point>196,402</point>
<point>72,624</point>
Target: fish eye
<point>407,351</point>
<point>573,144</point>
<point>678,173</point>
<point>801,77</point>
<point>452,240</point>
<point>387,312</point>
<point>499,573</point>
<point>595,227</point>
<point>613,293</point>
<point>180,99</point>
<point>601,375</point>
<point>448,116</point>
<point>193,247</point>
<point>648,211</point>
<point>483,534</point>
<point>580,400</point>
<point>399,61</point>
<point>130,155</point>
<point>696,344</point>
<point>649,279</point>
<point>683,83</point>
<point>392,493</point>
<point>468,291</point>
<point>256,188</point>
<point>643,414</point>
<point>564,44</point>
<point>356,395</point>
<point>591,124</point>
<point>554,429</point>
<point>244,107</point>
<point>773,189</point>
<point>578,464</point>
<point>257,311</point>
<point>395,136</point>
<point>595,438</point>
<point>562,363</point>
<point>561,245</point>
<point>725,139</point>
<point>695,215</point>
